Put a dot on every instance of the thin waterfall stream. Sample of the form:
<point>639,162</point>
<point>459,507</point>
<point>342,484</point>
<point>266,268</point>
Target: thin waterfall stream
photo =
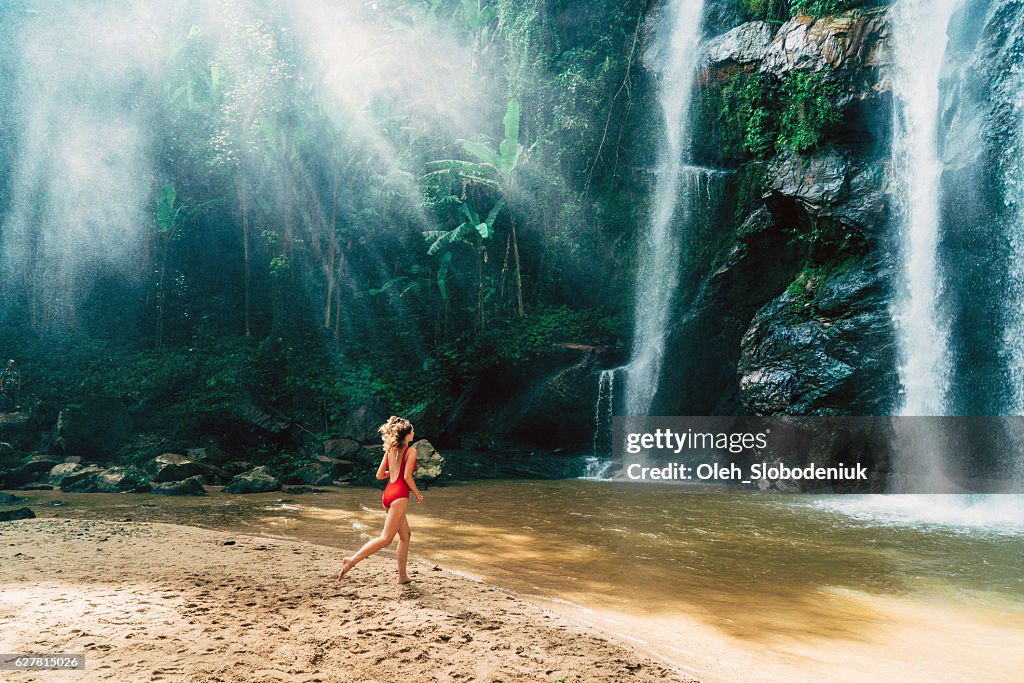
<point>674,58</point>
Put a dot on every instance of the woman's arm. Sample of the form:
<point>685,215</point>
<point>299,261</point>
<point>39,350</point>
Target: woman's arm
<point>410,465</point>
<point>382,471</point>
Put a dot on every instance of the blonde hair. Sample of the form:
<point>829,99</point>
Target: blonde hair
<point>394,431</point>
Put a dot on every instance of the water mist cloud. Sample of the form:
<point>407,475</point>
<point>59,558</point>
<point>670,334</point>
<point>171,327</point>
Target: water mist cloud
<point>82,164</point>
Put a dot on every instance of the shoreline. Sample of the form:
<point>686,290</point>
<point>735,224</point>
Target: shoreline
<point>173,602</point>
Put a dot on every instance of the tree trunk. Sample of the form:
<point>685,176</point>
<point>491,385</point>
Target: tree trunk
<point>333,249</point>
<point>480,285</point>
<point>161,292</point>
<point>519,278</point>
<point>243,204</point>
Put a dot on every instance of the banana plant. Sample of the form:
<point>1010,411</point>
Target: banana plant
<point>473,231</point>
<point>494,170</point>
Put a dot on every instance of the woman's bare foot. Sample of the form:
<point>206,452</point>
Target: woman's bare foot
<point>404,579</point>
<point>346,565</point>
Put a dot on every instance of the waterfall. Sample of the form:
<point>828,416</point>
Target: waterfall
<point>1013,196</point>
<point>674,58</point>
<point>919,43</point>
<point>603,418</point>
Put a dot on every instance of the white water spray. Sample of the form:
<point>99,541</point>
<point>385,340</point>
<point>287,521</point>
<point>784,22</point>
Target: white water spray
<point>919,43</point>
<point>675,61</point>
<point>603,410</point>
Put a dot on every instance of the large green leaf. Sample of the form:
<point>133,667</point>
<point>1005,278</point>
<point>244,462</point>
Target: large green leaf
<point>481,152</point>
<point>510,147</point>
<point>495,210</point>
<point>442,273</point>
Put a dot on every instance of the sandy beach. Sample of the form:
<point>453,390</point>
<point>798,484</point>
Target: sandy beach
<point>163,602</point>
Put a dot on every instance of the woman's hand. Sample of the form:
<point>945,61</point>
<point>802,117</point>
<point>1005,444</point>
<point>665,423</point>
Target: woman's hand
<point>419,497</point>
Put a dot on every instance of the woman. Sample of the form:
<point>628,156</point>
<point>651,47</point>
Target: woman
<point>397,467</point>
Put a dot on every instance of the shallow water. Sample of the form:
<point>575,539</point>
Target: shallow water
<point>726,585</point>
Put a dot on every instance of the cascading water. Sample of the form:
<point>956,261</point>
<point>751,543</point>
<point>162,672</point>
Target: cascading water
<point>603,410</point>
<point>919,41</point>
<point>919,38</point>
<point>1013,189</point>
<point>674,58</point>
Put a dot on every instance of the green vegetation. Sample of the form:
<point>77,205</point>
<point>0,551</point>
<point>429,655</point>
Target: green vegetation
<point>781,10</point>
<point>747,104</point>
<point>811,283</point>
<point>759,115</point>
<point>808,110</point>
<point>820,8</point>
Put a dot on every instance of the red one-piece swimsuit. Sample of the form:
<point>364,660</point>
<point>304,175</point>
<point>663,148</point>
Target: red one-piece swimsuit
<point>396,489</point>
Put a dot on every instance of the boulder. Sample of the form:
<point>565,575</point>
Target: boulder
<point>236,467</point>
<point>341,448</point>
<point>429,463</point>
<point>336,467</point>
<point>742,45</point>
<point>20,513</point>
<point>257,480</point>
<point>30,471</point>
<point>818,182</point>
<point>296,490</point>
<point>361,424</point>
<point>18,431</point>
<point>177,467</point>
<point>192,486</point>
<point>8,499</point>
<point>96,429</point>
<point>547,402</point>
<point>80,479</point>
<point>852,46</point>
<point>112,480</point>
<point>312,474</point>
<point>59,472</point>
<point>835,354</point>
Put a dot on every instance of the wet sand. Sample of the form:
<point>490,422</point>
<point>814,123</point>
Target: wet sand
<point>162,602</point>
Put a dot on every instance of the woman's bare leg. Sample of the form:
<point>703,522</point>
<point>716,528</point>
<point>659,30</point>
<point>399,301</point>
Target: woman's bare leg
<point>391,526</point>
<point>404,534</point>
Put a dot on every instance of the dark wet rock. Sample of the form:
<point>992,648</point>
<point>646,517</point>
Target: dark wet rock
<point>16,431</point>
<point>257,480</point>
<point>20,513</point>
<point>99,480</point>
<point>31,471</point>
<point>337,467</point>
<point>96,429</point>
<point>704,344</point>
<point>236,467</point>
<point>176,467</point>
<point>834,354</point>
<point>549,401</point>
<point>341,448</point>
<point>80,478</point>
<point>298,490</point>
<point>312,474</point>
<point>361,424</point>
<point>59,472</point>
<point>192,486</point>
<point>8,499</point>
